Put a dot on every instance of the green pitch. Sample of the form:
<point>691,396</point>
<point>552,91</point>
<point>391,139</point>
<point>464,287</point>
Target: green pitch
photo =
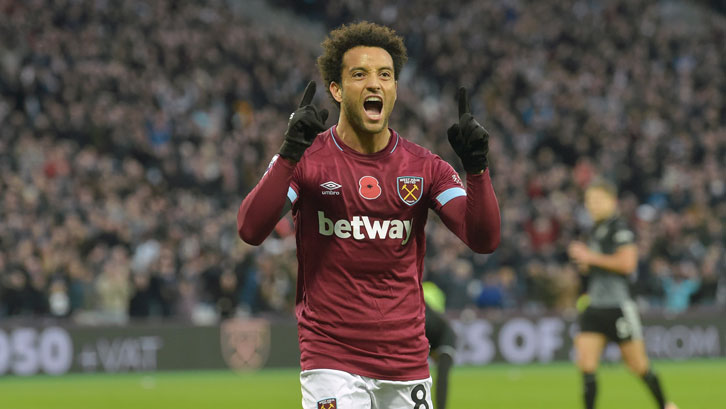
<point>692,385</point>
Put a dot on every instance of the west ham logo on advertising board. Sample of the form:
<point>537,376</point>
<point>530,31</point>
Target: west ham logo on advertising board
<point>410,189</point>
<point>245,343</point>
<point>329,403</point>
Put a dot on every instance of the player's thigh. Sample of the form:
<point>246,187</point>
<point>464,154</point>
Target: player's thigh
<point>402,395</point>
<point>589,347</point>
<point>635,356</point>
<point>331,389</point>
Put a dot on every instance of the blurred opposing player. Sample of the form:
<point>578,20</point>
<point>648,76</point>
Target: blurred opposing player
<point>360,195</point>
<point>442,340</point>
<point>608,258</point>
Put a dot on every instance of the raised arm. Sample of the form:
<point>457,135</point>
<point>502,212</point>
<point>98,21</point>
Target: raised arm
<point>474,218</point>
<point>472,215</point>
<point>267,202</point>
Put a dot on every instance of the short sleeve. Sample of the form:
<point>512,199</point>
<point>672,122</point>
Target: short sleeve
<point>446,184</point>
<point>623,235</point>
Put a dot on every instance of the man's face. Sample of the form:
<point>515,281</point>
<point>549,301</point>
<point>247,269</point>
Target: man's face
<point>367,91</point>
<point>599,203</point>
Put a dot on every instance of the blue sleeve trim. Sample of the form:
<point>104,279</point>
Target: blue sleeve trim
<point>291,194</point>
<point>449,194</point>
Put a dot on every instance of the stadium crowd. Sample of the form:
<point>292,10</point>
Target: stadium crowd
<point>131,131</point>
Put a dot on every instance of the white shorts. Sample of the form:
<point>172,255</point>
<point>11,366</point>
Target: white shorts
<point>332,389</point>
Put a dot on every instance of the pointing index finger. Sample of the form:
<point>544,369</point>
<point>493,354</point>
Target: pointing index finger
<point>308,94</point>
<point>463,102</point>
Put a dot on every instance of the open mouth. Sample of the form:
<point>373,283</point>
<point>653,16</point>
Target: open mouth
<point>373,107</point>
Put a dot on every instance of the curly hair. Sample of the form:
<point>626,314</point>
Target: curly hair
<point>364,33</point>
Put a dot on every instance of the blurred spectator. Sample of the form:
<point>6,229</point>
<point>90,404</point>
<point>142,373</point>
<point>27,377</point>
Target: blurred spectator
<point>141,300</point>
<point>164,286</point>
<point>680,286</point>
<point>498,289</point>
<point>492,294</point>
<point>113,288</point>
<point>13,291</point>
<point>540,283</point>
<point>227,295</point>
<point>59,303</point>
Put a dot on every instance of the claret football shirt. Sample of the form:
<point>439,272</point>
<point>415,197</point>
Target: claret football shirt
<point>360,246</point>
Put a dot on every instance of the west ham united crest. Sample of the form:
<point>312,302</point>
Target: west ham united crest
<point>327,404</point>
<point>410,189</point>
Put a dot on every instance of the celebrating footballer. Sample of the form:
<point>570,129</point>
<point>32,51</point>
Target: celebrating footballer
<point>360,195</point>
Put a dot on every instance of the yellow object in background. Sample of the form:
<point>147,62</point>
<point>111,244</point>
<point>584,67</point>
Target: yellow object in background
<point>582,302</point>
<point>434,297</point>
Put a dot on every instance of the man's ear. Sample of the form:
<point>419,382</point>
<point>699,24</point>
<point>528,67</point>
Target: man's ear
<point>336,91</point>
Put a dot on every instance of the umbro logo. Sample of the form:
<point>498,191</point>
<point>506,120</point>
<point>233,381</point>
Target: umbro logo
<point>331,188</point>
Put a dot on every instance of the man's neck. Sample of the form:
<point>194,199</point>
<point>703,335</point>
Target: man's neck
<point>362,143</point>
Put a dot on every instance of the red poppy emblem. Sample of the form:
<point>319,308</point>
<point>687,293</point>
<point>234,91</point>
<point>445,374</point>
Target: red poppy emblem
<point>369,188</point>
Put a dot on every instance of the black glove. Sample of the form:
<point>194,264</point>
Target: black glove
<point>469,139</point>
<point>304,125</point>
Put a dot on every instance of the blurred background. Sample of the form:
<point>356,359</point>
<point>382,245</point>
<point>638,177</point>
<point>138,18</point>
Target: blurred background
<point>131,130</point>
